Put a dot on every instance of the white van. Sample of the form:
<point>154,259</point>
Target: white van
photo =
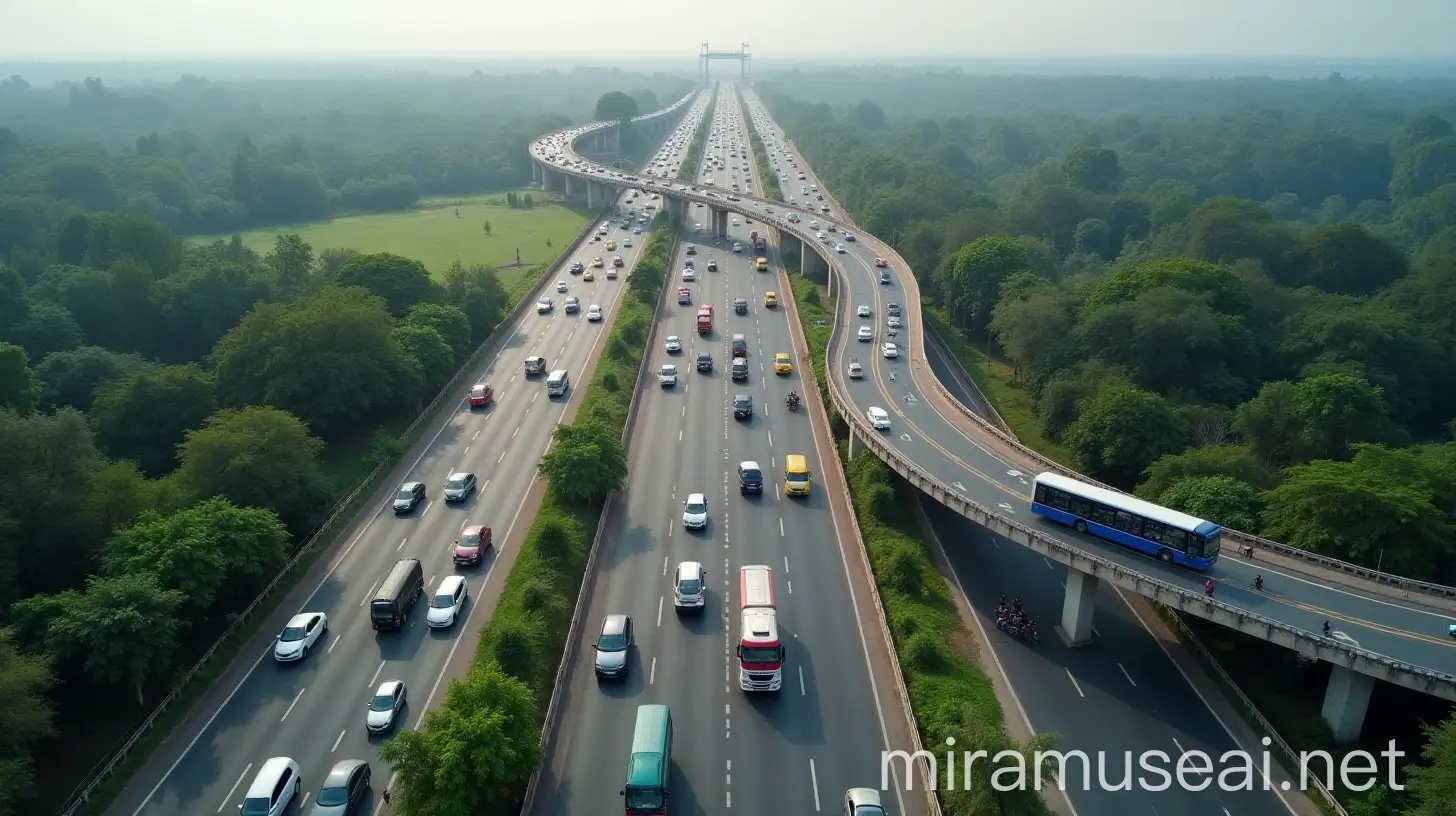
<point>273,789</point>
<point>557,383</point>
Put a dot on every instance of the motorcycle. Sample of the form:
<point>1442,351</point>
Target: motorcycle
<point>792,402</point>
<point>1022,628</point>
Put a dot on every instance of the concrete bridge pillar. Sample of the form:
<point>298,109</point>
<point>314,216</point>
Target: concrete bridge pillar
<point>791,249</point>
<point>675,208</point>
<point>1346,698</point>
<point>720,222</point>
<point>813,266</point>
<point>853,439</point>
<point>568,184</point>
<point>593,195</point>
<point>1078,608</point>
<point>536,173</point>
<point>612,140</point>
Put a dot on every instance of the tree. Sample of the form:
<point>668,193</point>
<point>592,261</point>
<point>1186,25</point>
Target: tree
<point>429,357</point>
<point>70,378</point>
<point>1347,258</point>
<point>256,457</point>
<point>1094,169</point>
<point>1227,293</point>
<point>1337,410</point>
<point>18,388</point>
<point>585,461</point>
<point>200,549</point>
<point>1432,784</point>
<point>329,359</point>
<point>145,416</point>
<point>473,753</point>
<point>647,279</point>
<point>1219,499</point>
<point>1226,229</point>
<point>867,115</point>
<point>615,106</point>
<point>1271,424</point>
<point>1094,237</point>
<point>1236,462</point>
<point>400,281</point>
<point>1423,168</point>
<point>970,285</point>
<point>452,324</point>
<point>1031,326</point>
<point>1384,507</point>
<point>477,291</point>
<point>123,629</point>
<point>48,328</point>
<point>291,263</point>
<point>25,681</point>
<point>1121,430</point>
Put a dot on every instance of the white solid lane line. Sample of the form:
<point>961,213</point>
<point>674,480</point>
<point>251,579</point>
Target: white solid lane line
<point>234,788</point>
<point>292,704</point>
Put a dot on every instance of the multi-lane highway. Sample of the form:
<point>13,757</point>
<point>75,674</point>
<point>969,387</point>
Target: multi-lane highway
<point>795,751</point>
<point>314,711</point>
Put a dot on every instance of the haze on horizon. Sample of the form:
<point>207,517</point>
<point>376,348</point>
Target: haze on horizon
<point>786,29</point>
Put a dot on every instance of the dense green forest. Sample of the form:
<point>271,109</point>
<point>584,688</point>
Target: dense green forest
<point>164,405</point>
<point>209,157</point>
<point>1234,297</point>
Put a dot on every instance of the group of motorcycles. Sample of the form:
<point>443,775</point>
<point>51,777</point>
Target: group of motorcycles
<point>1015,622</point>
<point>792,400</point>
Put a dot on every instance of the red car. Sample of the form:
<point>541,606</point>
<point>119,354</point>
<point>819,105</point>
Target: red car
<point>881,262</point>
<point>481,395</point>
<point>471,546</point>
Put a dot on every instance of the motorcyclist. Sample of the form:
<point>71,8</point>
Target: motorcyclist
<point>1259,582</point>
<point>1208,588</point>
<point>1327,628</point>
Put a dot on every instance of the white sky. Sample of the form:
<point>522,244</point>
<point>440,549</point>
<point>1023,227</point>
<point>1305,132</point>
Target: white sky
<point>786,29</point>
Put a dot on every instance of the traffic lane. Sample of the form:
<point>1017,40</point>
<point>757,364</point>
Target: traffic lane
<point>1123,694</point>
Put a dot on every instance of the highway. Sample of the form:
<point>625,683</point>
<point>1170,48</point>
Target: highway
<point>313,711</point>
<point>957,452</point>
<point>791,752</point>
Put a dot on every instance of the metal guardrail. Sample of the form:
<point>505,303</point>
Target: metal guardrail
<point>1189,638</point>
<point>108,766</point>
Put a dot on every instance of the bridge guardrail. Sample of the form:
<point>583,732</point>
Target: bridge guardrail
<point>1317,647</point>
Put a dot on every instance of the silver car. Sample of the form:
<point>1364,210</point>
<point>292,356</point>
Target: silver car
<point>613,646</point>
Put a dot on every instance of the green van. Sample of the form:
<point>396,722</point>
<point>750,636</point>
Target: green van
<point>650,765</point>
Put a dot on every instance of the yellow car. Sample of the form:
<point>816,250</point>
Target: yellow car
<point>597,263</point>
<point>588,276</point>
<point>783,364</point>
<point>611,246</point>
<point>770,299</point>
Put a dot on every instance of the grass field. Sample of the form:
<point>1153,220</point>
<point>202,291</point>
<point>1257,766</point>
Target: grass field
<point>433,234</point>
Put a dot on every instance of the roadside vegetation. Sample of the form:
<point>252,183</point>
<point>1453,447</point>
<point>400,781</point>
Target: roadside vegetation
<point>179,418</point>
<point>499,709</point>
<point>693,159</point>
<point>1257,336</point>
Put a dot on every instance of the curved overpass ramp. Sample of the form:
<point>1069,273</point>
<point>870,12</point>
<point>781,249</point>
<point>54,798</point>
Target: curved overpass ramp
<point>1382,626</point>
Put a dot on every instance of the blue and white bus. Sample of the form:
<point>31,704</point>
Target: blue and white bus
<point>1175,537</point>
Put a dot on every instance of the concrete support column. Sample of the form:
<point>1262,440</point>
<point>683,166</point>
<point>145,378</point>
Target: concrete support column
<point>814,267</point>
<point>1346,698</point>
<point>569,184</point>
<point>720,222</point>
<point>613,141</point>
<point>1078,608</point>
<point>674,207</point>
<point>593,195</point>
<point>853,438</point>
<point>536,172</point>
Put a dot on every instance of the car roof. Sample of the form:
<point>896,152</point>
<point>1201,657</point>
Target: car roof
<point>699,497</point>
<point>449,583</point>
<point>339,775</point>
<point>690,569</point>
<point>860,797</point>
<point>302,618</point>
<point>474,530</point>
<point>460,475</point>
<point>389,687</point>
<point>411,485</point>
<point>614,625</point>
<point>879,411</point>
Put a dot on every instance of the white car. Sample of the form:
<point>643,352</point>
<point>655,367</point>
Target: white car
<point>696,226</point>
<point>667,376</point>
<point>849,238</point>
<point>689,275</point>
<point>545,305</point>
<point>891,351</point>
<point>387,702</point>
<point>561,286</point>
<point>863,311</point>
<point>866,334</point>
<point>839,248</point>
<point>674,344</point>
<point>893,322</point>
<point>856,371</point>
<point>594,313</point>
<point>300,635</point>
<point>626,242</point>
<point>879,417</point>
<point>446,603</point>
<point>737,247</point>
<point>695,512</point>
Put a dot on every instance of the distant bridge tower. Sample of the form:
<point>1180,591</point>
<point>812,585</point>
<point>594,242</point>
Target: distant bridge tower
<point>706,56</point>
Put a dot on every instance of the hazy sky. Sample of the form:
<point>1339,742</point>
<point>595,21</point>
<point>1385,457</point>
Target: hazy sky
<point>778,28</point>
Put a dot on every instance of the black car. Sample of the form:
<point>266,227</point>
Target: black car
<point>740,306</point>
<point>742,406</point>
<point>750,478</point>
<point>740,369</point>
<point>705,362</point>
<point>409,497</point>
<point>345,788</point>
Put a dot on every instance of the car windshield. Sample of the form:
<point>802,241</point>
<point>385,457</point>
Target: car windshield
<point>645,800</point>
<point>293,633</point>
<point>470,540</point>
<point>689,586</point>
<point>332,796</point>
<point>743,401</point>
<point>612,643</point>
<point>255,807</point>
<point>405,493</point>
<point>381,702</point>
<point>457,483</point>
<point>697,508</point>
<point>444,600</point>
<point>753,475</point>
<point>477,391</point>
<point>760,654</point>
